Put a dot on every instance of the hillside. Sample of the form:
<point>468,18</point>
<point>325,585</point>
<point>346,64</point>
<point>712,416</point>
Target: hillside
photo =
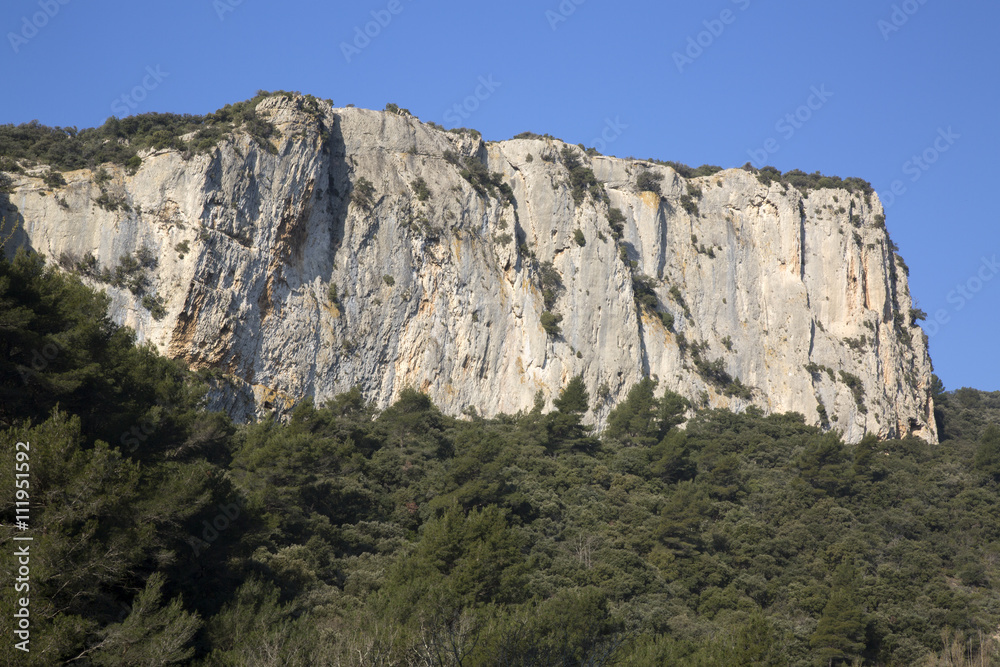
<point>300,250</point>
<point>165,534</point>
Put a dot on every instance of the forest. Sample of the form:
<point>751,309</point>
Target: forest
<point>164,533</point>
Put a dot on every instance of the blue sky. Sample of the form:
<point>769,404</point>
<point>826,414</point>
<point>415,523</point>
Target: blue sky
<point>907,99</point>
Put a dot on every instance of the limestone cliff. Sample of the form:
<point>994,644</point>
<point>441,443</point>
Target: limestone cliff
<point>363,248</point>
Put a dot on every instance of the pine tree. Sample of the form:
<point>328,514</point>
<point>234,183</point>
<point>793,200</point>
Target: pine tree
<point>574,397</point>
<point>839,633</point>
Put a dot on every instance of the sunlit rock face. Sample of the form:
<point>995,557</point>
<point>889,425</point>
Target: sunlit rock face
<point>285,271</point>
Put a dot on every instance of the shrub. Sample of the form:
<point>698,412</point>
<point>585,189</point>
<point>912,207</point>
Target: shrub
<point>579,238</point>
<point>857,344</point>
<point>581,178</point>
<point>916,315</point>
<point>767,175</point>
<point>712,371</point>
<point>550,322</point>
<point>363,192</point>
<point>551,283</point>
<point>857,388</point>
<point>737,389</point>
<point>420,188</point>
<point>182,248</point>
<point>133,164</point>
<point>532,135</point>
<point>53,179</point>
<point>668,321</point>
<point>388,280</point>
<point>824,419</point>
<point>689,205</point>
<point>111,202</point>
<point>155,305</point>
<point>643,292</point>
<point>146,257</point>
<point>480,178</point>
<point>675,294</point>
<point>649,181</point>
<point>616,220</point>
<point>331,294</point>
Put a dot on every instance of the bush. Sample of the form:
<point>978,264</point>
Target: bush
<point>616,220</point>
<point>363,193</point>
<point>155,305</point>
<point>550,282</point>
<point>480,178</point>
<point>550,322</point>
<point>420,188</point>
<point>649,181</point>
<point>53,179</point>
<point>643,292</point>
<point>579,238</point>
<point>182,248</point>
<point>689,205</point>
<point>119,140</point>
<point>581,178</point>
<point>857,388</point>
<point>675,294</point>
<point>388,280</point>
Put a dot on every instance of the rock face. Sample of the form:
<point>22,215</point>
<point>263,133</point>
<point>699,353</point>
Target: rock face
<point>283,269</point>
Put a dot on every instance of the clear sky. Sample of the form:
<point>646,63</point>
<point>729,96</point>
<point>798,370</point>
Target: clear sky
<point>903,94</point>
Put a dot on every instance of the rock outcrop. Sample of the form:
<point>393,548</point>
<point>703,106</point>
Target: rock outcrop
<point>368,249</point>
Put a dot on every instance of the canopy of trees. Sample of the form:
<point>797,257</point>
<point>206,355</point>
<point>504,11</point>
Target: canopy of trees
<point>165,534</point>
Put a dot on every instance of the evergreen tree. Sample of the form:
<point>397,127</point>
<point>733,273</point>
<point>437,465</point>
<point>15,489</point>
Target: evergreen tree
<point>633,421</point>
<point>988,453</point>
<point>839,635</point>
<point>574,398</point>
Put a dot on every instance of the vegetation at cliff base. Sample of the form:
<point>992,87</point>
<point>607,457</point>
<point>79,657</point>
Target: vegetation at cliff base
<point>346,535</point>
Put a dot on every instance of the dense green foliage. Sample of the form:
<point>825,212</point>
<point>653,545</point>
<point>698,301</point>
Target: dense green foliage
<point>163,534</point>
<point>814,181</point>
<point>119,140</point>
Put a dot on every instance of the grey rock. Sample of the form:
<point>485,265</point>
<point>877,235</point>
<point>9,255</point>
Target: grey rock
<point>444,295</point>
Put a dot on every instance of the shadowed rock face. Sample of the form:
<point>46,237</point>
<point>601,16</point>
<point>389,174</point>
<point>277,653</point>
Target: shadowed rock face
<point>799,298</point>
